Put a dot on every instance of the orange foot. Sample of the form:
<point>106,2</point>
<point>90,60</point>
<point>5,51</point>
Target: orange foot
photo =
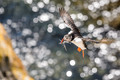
<point>83,53</point>
<point>79,49</point>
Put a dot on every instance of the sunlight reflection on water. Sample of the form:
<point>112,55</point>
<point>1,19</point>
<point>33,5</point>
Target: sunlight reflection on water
<point>33,37</point>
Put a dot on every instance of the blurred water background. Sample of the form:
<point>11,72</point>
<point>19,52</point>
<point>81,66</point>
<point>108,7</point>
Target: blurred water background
<point>35,28</point>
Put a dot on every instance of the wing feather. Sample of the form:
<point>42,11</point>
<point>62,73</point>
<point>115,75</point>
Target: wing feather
<point>67,19</point>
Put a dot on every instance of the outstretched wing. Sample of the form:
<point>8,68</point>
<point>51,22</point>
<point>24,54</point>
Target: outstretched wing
<point>68,20</point>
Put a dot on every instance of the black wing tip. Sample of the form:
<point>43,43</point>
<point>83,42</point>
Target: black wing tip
<point>62,10</point>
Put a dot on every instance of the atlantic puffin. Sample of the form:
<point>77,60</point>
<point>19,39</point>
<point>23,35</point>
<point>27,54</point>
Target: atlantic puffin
<point>74,36</point>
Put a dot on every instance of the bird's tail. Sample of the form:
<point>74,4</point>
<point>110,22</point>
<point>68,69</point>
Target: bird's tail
<point>104,40</point>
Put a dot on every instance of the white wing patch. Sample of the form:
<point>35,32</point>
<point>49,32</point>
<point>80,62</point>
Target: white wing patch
<point>70,32</point>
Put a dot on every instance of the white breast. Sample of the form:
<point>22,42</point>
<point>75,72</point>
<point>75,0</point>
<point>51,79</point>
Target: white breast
<point>79,43</point>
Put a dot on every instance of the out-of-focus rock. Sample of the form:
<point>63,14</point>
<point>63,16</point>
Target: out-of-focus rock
<point>11,67</point>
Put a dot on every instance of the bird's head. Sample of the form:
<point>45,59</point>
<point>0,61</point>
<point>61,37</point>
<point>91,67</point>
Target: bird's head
<point>66,38</point>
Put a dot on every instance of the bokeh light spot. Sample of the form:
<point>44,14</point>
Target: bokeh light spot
<point>62,26</point>
<point>90,27</point>
<point>72,62</point>
<point>97,60</point>
<point>29,1</point>
<point>46,1</point>
<point>35,9</point>
<point>40,4</point>
<point>44,17</point>
<point>69,73</point>
<point>94,70</point>
<point>1,10</point>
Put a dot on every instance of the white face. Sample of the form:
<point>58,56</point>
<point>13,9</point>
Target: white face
<point>67,38</point>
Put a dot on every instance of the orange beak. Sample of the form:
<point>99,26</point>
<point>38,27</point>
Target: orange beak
<point>62,41</point>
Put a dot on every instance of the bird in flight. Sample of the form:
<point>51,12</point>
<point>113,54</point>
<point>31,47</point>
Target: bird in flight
<point>74,36</point>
